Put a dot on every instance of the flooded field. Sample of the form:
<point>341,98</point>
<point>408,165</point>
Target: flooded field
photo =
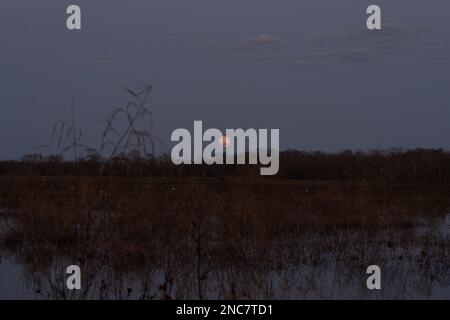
<point>223,239</point>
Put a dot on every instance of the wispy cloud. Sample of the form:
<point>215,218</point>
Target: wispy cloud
<point>351,45</point>
<point>323,57</point>
<point>388,43</point>
<point>387,33</point>
<point>344,45</point>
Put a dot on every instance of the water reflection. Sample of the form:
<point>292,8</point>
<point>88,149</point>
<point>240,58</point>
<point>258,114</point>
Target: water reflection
<point>207,261</point>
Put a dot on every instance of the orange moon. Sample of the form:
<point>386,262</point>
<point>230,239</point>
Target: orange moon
<point>224,141</point>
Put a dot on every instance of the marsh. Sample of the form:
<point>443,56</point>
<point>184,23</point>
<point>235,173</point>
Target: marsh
<point>237,239</point>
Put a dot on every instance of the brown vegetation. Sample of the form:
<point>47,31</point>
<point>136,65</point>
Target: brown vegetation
<point>232,238</point>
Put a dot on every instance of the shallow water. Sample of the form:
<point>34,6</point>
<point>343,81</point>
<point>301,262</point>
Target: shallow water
<point>13,283</point>
<point>309,271</point>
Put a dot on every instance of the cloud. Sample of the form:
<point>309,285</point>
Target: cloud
<point>361,44</point>
<point>324,57</point>
<point>343,45</point>
<point>353,45</point>
<point>248,44</point>
<point>387,33</point>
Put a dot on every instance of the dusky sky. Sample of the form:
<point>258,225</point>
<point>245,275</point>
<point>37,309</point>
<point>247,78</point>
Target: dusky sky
<point>308,67</point>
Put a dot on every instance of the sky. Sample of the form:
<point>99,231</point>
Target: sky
<point>307,67</point>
